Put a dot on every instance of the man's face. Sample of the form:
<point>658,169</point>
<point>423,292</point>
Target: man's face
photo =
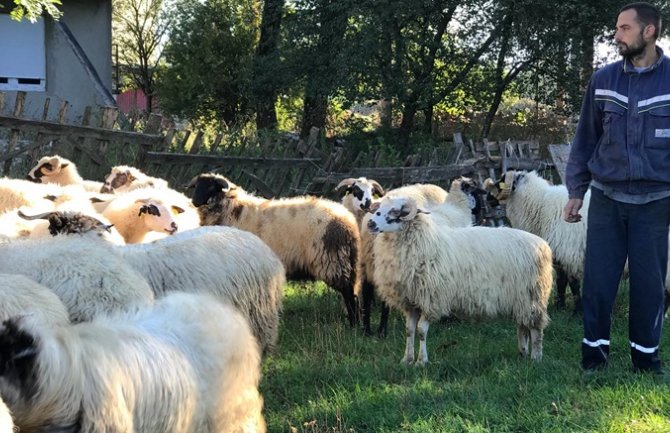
<point>629,35</point>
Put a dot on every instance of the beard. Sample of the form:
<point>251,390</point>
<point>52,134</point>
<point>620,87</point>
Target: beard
<point>633,50</point>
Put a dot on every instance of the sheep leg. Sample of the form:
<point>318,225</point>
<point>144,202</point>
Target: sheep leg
<point>351,304</point>
<point>423,333</point>
<point>575,289</point>
<point>561,284</point>
<point>523,335</point>
<point>383,320</point>
<point>367,295</point>
<point>536,344</point>
<point>411,319</point>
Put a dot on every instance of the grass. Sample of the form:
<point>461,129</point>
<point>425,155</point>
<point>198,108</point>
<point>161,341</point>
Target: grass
<point>326,377</point>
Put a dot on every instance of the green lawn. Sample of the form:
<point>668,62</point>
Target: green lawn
<point>326,377</point>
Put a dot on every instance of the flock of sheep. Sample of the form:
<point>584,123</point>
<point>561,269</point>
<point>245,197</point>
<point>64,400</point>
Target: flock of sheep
<point>128,307</point>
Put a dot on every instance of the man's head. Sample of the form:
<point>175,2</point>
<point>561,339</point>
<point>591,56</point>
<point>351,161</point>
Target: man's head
<point>638,26</point>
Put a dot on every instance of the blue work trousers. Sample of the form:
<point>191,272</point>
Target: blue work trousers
<point>617,232</point>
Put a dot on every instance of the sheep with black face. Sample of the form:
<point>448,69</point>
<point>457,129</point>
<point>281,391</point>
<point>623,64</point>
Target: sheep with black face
<point>312,237</point>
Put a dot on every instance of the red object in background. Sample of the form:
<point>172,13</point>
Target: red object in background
<point>134,101</point>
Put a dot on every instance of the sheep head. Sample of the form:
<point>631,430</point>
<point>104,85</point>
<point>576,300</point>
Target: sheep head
<point>47,166</point>
<point>156,217</point>
<point>501,189</point>
<point>70,222</point>
<point>363,191</point>
<point>391,214</point>
<point>18,363</point>
<point>120,179</point>
<point>209,188</point>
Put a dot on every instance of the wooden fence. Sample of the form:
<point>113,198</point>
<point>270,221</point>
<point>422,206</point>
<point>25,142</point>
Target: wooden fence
<point>282,165</point>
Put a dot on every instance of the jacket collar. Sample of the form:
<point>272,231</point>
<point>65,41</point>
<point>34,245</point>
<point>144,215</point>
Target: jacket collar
<point>629,68</point>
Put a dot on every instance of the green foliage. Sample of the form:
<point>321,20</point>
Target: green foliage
<point>209,58</point>
<point>33,9</point>
<point>326,377</point>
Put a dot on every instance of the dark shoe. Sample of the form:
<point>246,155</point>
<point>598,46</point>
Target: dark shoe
<point>655,370</point>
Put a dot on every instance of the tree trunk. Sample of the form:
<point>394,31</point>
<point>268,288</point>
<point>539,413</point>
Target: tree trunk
<point>428,121</point>
<point>265,64</point>
<point>588,51</point>
<point>491,114</point>
<point>385,114</point>
<point>315,112</point>
<point>406,126</point>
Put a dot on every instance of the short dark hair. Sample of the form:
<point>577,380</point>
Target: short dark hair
<point>646,14</point>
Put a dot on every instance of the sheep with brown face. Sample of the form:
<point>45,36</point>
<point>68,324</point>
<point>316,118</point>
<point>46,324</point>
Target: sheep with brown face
<point>312,237</point>
<point>61,171</point>
<point>125,178</point>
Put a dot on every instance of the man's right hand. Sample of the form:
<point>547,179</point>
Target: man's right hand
<point>571,210</point>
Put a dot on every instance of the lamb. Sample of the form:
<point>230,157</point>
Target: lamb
<point>533,205</point>
<point>21,296</point>
<point>89,277</point>
<point>428,270</point>
<point>139,212</point>
<point>61,171</point>
<point>228,263</point>
<point>311,236</point>
<point>188,365</point>
<point>124,178</point>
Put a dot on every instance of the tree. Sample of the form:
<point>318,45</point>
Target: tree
<point>139,30</point>
<point>266,80</point>
<point>209,61</point>
<point>33,9</point>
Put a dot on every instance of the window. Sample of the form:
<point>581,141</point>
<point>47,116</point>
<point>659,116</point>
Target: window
<point>22,56</point>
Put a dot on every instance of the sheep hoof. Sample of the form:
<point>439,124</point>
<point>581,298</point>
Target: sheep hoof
<point>420,363</point>
<point>406,361</point>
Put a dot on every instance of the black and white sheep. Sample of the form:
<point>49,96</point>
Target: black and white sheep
<point>125,178</point>
<point>312,237</point>
<point>358,194</point>
<point>61,171</point>
<point>427,271</point>
<point>189,364</point>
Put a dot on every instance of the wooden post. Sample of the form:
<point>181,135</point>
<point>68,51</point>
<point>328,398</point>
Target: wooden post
<point>61,112</point>
<point>14,133</point>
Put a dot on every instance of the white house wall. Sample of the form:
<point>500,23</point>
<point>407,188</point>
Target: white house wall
<point>67,79</point>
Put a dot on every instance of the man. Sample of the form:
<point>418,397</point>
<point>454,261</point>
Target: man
<point>622,150</point>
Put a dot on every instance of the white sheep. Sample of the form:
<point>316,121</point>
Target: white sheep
<point>231,264</point>
<point>6,422</point>
<point>453,209</point>
<point>137,213</point>
<point>187,365</point>
<point>312,237</point>
<point>21,296</point>
<point>427,271</point>
<point>91,278</point>
<point>61,171</point>
<point>125,178</point>
<point>16,193</point>
<point>534,205</point>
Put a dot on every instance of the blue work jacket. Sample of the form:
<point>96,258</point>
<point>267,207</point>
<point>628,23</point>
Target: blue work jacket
<point>623,133</point>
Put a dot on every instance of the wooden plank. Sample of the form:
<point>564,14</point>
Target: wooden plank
<point>221,160</point>
<point>84,131</point>
<point>559,155</point>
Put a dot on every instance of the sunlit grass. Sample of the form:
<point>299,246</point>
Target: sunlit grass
<point>326,377</point>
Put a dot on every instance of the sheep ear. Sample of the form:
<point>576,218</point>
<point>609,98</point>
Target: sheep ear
<point>176,210</point>
<point>55,161</point>
<point>129,176</point>
<point>50,197</point>
<point>374,207</point>
<point>344,186</point>
<point>18,351</point>
<point>377,188</point>
<point>490,185</point>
